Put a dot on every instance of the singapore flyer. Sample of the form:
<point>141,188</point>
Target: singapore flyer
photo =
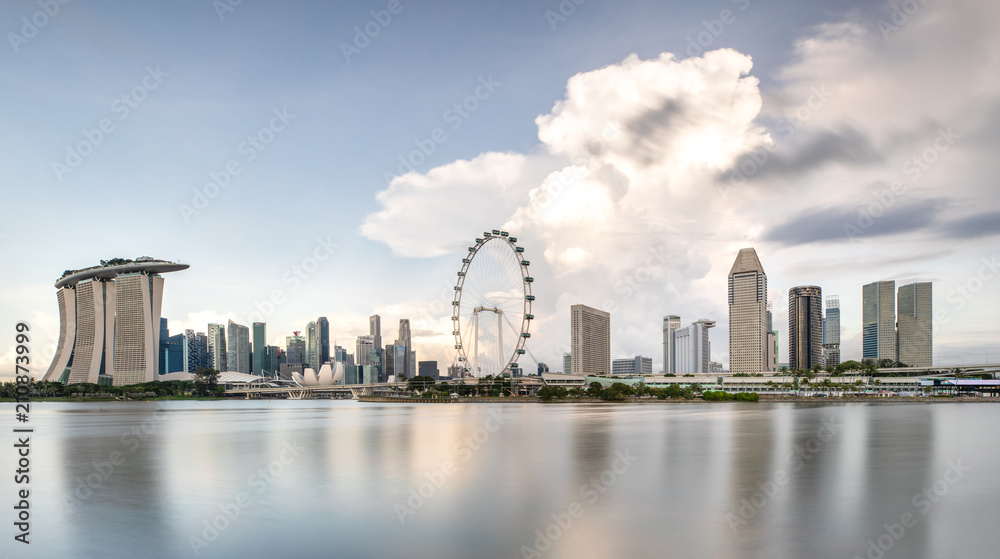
<point>491,310</point>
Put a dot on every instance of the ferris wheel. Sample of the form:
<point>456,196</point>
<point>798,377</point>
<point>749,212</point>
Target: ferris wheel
<point>492,306</point>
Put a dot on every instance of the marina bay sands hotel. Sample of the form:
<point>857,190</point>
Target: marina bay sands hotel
<point>109,317</point>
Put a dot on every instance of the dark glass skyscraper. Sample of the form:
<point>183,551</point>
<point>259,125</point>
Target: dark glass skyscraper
<point>805,327</point>
<point>259,348</point>
<point>323,333</point>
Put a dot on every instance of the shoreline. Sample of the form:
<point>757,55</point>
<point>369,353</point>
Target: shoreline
<point>535,400</point>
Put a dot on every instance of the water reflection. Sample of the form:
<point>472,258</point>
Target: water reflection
<point>821,480</point>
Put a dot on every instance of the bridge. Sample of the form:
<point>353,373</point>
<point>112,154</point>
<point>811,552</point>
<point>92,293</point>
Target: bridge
<point>525,386</point>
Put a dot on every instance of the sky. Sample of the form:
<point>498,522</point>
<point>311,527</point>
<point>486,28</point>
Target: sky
<point>338,158</point>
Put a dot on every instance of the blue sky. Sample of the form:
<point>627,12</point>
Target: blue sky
<point>873,97</point>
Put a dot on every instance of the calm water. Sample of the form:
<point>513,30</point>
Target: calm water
<point>333,479</point>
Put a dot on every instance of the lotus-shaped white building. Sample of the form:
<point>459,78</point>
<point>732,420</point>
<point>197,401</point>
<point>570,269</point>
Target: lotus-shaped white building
<point>329,375</point>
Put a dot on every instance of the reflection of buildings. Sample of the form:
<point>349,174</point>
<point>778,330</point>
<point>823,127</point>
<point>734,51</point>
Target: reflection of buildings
<point>109,322</point>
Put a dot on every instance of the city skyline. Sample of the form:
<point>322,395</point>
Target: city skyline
<point>809,336</point>
<point>787,146</point>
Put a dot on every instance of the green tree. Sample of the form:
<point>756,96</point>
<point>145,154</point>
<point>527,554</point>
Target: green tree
<point>206,381</point>
<point>595,390</point>
<point>422,382</point>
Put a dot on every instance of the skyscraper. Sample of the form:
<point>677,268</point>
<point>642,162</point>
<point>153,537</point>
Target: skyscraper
<point>831,332</point>
<point>771,357</point>
<point>238,349</point>
<point>389,363</point>
<point>195,350</point>
<point>771,345</point>
<point>567,363</point>
<point>365,346</point>
<point>915,332</point>
<point>295,349</point>
<point>590,340</point>
<point>692,350</point>
<point>375,331</point>
<point>878,320</point>
<point>670,323</point>
<point>272,360</point>
<point>805,327</point>
<point>323,333</point>
<point>217,357</point>
<point>259,347</point>
<point>109,318</point>
<point>312,346</point>
<point>399,360</point>
<point>408,369</point>
<point>747,314</point>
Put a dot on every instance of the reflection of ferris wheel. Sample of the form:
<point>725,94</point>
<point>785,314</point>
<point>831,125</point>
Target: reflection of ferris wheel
<point>492,306</point>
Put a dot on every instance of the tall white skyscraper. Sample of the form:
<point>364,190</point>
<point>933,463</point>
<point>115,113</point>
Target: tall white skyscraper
<point>747,314</point>
<point>410,365</point>
<point>217,349</point>
<point>375,331</point>
<point>670,323</point>
<point>915,334</point>
<point>590,340</point>
<point>691,348</point>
